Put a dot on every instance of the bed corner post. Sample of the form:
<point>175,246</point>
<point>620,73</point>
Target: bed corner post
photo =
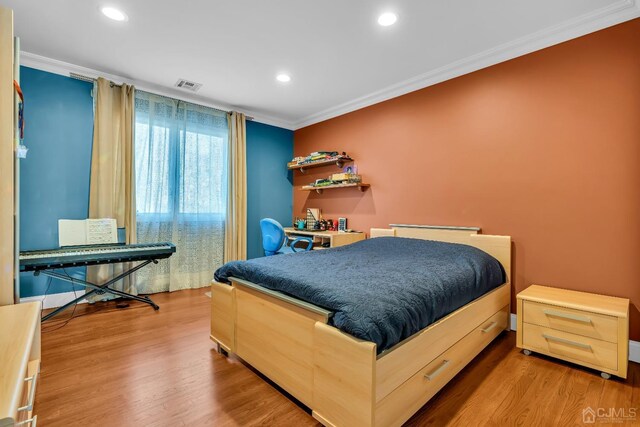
<point>223,316</point>
<point>343,378</point>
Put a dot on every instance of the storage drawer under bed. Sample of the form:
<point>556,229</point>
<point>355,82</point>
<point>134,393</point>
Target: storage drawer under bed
<point>404,401</point>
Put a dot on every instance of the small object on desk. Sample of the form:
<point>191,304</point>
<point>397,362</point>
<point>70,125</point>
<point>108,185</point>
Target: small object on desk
<point>342,224</point>
<point>313,215</point>
<point>330,225</point>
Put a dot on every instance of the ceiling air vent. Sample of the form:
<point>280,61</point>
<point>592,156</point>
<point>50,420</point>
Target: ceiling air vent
<point>186,84</point>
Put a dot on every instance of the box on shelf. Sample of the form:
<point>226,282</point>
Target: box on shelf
<point>346,177</point>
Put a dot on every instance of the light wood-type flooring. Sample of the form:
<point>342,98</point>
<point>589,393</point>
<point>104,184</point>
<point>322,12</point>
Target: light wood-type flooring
<point>138,367</point>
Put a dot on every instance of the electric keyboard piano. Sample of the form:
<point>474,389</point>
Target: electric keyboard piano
<point>45,262</point>
<point>79,256</point>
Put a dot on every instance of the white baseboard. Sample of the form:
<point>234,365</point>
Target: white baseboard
<point>634,351</point>
<point>55,300</point>
<point>514,322</point>
<point>634,346</point>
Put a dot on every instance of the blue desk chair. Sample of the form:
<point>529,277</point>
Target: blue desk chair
<point>275,241</point>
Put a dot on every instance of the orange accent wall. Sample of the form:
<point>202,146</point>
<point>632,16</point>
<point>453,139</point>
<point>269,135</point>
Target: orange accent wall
<point>544,148</point>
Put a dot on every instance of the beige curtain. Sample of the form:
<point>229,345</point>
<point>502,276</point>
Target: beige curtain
<point>235,236</point>
<point>112,193</point>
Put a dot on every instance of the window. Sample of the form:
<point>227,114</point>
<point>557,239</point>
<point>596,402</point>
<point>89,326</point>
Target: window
<point>181,189</point>
<point>180,151</point>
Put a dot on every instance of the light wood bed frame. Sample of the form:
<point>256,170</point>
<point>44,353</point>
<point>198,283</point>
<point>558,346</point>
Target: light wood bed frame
<point>339,376</point>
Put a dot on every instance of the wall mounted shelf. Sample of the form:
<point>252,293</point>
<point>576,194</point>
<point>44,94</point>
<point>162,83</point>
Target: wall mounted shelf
<point>338,161</point>
<point>360,186</point>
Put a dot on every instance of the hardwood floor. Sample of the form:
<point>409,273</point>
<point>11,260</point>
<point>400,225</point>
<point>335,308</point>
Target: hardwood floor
<point>138,367</point>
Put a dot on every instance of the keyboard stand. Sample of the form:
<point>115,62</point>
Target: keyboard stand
<point>98,289</point>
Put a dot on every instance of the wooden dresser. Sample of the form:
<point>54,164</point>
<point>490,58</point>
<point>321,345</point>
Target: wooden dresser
<point>19,363</point>
<point>586,329</point>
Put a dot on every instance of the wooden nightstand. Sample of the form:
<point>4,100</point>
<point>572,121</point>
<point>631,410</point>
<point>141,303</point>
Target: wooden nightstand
<point>586,329</point>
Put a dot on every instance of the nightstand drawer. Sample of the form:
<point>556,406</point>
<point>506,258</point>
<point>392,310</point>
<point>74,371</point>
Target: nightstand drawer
<point>571,347</point>
<point>579,322</point>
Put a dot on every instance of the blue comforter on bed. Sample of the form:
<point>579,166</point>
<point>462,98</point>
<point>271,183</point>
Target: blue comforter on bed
<point>381,290</point>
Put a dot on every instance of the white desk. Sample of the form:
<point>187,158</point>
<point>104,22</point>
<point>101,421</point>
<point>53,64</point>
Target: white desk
<point>323,238</point>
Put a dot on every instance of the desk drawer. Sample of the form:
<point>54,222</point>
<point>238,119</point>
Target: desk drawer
<point>578,322</point>
<point>400,404</point>
<point>571,347</point>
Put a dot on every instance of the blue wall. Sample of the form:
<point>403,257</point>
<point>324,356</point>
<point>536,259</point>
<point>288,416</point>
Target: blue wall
<point>54,178</point>
<point>269,183</point>
<point>55,175</point>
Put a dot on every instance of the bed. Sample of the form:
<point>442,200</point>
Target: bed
<point>346,380</point>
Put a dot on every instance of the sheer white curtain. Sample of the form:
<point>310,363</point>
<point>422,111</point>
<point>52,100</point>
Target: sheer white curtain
<point>181,189</point>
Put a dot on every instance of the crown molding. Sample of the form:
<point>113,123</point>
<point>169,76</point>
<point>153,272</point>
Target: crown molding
<point>62,68</point>
<point>616,13</point>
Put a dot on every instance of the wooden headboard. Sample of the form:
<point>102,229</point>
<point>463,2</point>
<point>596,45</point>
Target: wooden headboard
<point>497,246</point>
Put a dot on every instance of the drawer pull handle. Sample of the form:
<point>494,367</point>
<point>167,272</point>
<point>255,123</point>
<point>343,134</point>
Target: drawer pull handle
<point>437,371</point>
<point>566,341</point>
<point>490,327</point>
<point>32,394</point>
<point>570,316</point>
<point>33,421</point>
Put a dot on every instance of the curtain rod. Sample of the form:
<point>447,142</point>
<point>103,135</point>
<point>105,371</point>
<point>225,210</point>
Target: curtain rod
<point>92,80</point>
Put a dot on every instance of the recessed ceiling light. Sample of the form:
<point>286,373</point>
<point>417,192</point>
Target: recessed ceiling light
<point>283,78</point>
<point>387,19</point>
<point>113,13</point>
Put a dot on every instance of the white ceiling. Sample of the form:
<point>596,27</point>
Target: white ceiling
<point>339,58</point>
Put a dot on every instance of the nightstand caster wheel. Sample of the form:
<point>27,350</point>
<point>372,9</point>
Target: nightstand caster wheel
<point>527,352</point>
<point>605,375</point>
<point>222,351</point>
